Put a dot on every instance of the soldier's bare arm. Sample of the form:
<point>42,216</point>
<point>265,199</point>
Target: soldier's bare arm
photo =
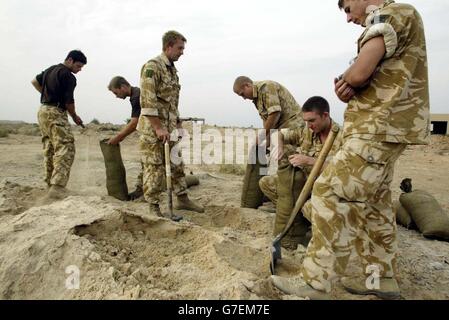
<point>36,85</point>
<point>162,133</point>
<point>71,110</point>
<point>300,160</point>
<point>271,123</point>
<point>130,128</point>
<point>272,120</point>
<point>367,61</point>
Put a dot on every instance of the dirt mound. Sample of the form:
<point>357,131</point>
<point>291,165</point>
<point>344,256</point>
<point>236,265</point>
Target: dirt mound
<point>15,199</point>
<point>120,254</point>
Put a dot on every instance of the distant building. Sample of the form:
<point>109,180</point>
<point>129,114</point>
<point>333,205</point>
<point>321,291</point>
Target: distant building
<point>439,124</point>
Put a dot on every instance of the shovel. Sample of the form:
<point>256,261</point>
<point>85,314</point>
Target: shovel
<point>172,216</point>
<point>275,250</point>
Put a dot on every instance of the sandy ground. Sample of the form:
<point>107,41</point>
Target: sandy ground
<point>121,252</point>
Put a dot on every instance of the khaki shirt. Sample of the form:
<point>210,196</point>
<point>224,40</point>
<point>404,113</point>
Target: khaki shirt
<point>394,106</point>
<point>271,97</point>
<point>309,144</point>
<point>159,96</point>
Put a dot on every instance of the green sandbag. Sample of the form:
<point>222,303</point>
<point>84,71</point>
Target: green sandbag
<point>427,214</point>
<point>402,216</point>
<point>290,183</point>
<point>115,171</point>
<point>252,195</point>
<point>192,180</point>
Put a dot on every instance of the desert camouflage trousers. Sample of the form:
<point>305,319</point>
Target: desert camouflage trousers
<point>154,180</point>
<point>58,143</point>
<point>268,185</point>
<point>139,182</point>
<point>352,209</point>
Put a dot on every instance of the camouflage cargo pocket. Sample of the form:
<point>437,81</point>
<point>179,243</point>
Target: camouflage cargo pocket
<point>152,150</point>
<point>359,170</point>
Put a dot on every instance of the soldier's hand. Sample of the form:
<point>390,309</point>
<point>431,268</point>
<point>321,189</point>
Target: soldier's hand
<point>299,160</point>
<point>163,135</point>
<point>77,120</point>
<point>343,90</point>
<point>115,140</point>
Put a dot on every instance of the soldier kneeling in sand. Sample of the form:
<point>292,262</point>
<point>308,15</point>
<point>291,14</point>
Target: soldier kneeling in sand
<point>293,171</point>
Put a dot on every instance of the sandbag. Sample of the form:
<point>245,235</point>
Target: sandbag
<point>425,211</point>
<point>252,195</point>
<point>290,183</point>
<point>402,216</point>
<point>115,171</point>
<point>427,214</point>
<point>192,180</point>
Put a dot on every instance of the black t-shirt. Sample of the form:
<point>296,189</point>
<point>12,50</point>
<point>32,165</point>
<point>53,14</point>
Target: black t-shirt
<point>58,84</point>
<point>135,102</point>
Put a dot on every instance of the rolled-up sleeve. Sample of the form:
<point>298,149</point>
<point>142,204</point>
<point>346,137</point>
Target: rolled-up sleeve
<point>148,97</point>
<point>383,26</point>
<point>271,99</point>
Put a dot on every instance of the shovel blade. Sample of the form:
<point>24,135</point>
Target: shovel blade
<point>275,253</point>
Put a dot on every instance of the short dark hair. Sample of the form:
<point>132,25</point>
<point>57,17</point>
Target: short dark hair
<point>341,3</point>
<point>316,104</point>
<point>118,82</point>
<point>170,37</point>
<point>77,56</point>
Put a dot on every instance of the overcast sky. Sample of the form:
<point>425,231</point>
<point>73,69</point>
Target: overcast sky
<point>301,44</point>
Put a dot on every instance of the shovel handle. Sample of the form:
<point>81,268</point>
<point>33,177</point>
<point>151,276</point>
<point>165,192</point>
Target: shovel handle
<point>168,177</point>
<point>167,166</point>
<point>307,189</point>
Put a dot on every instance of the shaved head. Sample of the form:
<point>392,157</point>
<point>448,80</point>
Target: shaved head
<point>240,81</point>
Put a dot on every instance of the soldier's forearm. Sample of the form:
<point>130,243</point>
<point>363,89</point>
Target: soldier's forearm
<point>271,121</point>
<point>155,122</point>
<point>130,128</point>
<point>366,63</point>
<point>71,109</point>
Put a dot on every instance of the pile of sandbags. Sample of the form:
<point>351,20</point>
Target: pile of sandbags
<point>419,208</point>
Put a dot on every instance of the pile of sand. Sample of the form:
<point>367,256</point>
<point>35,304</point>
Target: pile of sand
<point>123,254</point>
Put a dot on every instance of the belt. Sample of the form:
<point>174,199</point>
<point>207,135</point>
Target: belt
<point>54,105</point>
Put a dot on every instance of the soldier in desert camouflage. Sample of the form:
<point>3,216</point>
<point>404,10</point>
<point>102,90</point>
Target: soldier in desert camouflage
<point>159,121</point>
<point>386,89</point>
<point>274,103</point>
<point>309,141</point>
<point>56,86</point>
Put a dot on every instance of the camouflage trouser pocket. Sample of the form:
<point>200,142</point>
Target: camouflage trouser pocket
<point>152,151</point>
<point>358,170</point>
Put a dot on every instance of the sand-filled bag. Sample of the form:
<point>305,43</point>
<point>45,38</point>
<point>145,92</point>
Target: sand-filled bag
<point>252,195</point>
<point>290,183</point>
<point>403,218</point>
<point>426,212</point>
<point>192,180</point>
<point>115,171</point>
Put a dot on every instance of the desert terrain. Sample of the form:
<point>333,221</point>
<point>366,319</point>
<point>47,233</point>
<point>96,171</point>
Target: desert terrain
<point>119,251</point>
